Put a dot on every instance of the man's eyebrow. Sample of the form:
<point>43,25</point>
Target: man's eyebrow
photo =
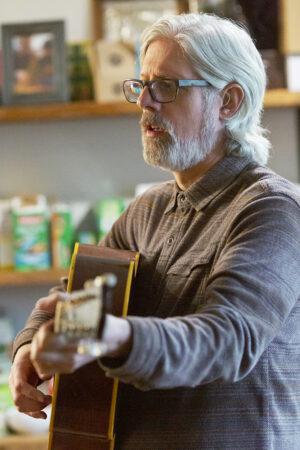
<point>159,77</point>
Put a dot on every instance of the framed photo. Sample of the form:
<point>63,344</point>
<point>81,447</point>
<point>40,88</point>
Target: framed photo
<point>34,63</point>
<point>124,20</point>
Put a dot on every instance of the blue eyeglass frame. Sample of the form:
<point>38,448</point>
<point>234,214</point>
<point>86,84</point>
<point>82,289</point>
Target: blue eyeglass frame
<point>179,84</point>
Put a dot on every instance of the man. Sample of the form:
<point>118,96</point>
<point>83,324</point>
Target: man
<point>209,356</point>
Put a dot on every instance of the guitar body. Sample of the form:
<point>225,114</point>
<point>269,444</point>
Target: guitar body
<point>84,403</point>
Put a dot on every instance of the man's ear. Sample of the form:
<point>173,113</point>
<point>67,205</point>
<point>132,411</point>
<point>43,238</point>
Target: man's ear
<point>232,98</point>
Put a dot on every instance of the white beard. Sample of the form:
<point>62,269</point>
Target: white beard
<point>176,154</point>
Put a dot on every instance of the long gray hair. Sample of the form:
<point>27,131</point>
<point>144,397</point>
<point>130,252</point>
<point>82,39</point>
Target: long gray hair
<point>221,52</point>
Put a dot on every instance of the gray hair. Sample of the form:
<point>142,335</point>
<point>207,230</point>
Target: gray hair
<point>222,52</point>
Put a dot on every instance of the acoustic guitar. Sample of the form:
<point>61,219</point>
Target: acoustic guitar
<point>84,402</point>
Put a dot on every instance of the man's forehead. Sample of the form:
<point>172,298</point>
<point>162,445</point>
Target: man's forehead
<point>163,48</point>
<point>164,59</point>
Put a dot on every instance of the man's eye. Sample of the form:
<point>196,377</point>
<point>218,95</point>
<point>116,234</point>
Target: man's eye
<point>165,88</point>
<point>165,85</point>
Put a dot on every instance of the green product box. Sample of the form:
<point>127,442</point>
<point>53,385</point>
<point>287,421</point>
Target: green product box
<point>87,237</point>
<point>30,236</point>
<point>62,236</point>
<point>108,211</point>
<point>6,400</point>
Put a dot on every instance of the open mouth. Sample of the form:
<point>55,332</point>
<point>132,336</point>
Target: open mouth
<point>152,130</point>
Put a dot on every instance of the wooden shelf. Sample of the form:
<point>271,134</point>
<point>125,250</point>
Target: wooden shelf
<point>62,111</point>
<point>282,98</point>
<point>21,442</point>
<point>275,98</point>
<point>35,278</point>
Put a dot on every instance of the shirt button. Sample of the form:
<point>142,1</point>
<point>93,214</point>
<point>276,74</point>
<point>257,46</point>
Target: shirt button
<point>182,198</point>
<point>170,240</point>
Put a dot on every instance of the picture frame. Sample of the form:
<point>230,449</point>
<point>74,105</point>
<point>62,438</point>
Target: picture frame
<point>99,13</point>
<point>34,63</point>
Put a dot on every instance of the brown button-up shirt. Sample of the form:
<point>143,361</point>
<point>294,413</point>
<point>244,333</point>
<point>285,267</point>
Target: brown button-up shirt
<point>215,362</point>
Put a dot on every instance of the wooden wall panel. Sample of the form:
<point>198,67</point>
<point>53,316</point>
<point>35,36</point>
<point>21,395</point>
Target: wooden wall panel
<point>290,29</point>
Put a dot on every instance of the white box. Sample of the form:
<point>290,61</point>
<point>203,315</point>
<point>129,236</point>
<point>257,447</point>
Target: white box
<point>109,90</point>
<point>112,63</point>
<point>293,73</point>
<point>114,60</point>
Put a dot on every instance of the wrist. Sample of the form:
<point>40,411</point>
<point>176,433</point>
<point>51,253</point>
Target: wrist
<point>117,336</point>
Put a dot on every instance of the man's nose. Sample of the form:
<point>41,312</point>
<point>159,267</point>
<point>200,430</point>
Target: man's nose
<point>145,100</point>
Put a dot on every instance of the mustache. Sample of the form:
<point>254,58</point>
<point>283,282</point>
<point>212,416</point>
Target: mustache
<point>148,118</point>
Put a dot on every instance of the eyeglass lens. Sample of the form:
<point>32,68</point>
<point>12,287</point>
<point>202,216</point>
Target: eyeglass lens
<point>161,90</point>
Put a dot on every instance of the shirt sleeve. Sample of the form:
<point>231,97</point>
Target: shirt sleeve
<point>251,291</point>
<point>34,321</point>
<point>116,238</point>
<point>44,310</point>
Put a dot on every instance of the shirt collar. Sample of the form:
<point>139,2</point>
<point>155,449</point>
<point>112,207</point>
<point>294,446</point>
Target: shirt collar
<point>204,190</point>
<point>173,200</point>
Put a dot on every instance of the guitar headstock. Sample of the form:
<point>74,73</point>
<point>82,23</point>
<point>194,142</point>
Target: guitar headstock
<point>81,316</point>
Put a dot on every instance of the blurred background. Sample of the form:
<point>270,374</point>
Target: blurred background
<point>71,154</point>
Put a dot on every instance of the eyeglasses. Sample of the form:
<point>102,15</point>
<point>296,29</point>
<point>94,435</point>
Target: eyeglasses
<point>161,90</point>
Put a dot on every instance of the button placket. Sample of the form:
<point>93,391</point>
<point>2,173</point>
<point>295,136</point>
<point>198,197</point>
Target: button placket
<point>183,203</point>
<point>163,261</point>
<point>182,198</point>
<point>170,240</point>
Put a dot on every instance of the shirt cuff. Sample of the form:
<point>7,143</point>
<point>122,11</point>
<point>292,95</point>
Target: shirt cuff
<point>144,355</point>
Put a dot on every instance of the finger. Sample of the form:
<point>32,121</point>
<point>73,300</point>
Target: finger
<point>64,282</point>
<point>40,339</point>
<point>33,393</point>
<point>51,363</point>
<point>45,340</point>
<point>29,398</point>
<point>43,337</point>
<point>62,287</point>
<point>49,303</point>
<point>37,414</point>
<point>55,289</point>
<point>47,326</point>
<point>33,403</point>
<point>25,405</point>
<point>19,387</point>
<point>51,353</point>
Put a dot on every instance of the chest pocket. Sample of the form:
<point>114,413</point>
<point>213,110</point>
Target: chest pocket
<point>185,283</point>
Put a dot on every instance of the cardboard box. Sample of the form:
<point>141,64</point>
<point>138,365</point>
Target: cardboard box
<point>293,73</point>
<point>30,219</point>
<point>62,235</point>
<point>112,63</point>
<point>108,210</point>
<point>109,90</point>
<point>114,59</point>
<point>6,241</point>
